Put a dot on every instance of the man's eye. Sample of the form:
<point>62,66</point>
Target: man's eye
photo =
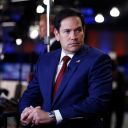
<point>79,30</point>
<point>66,31</point>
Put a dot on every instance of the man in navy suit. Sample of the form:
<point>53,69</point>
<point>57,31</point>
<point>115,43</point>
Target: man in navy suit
<point>85,89</point>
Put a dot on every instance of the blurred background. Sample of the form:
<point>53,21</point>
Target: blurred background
<point>20,46</point>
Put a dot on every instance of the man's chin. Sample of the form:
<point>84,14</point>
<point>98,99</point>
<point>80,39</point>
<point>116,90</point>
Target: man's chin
<point>74,49</point>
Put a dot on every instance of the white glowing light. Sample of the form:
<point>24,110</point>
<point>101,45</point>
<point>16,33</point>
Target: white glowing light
<point>40,9</point>
<point>18,41</point>
<point>99,18</point>
<point>114,12</point>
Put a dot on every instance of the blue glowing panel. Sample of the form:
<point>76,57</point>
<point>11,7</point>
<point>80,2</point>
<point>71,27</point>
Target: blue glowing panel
<point>87,11</point>
<point>7,41</point>
<point>89,20</point>
<point>11,71</point>
<point>8,48</point>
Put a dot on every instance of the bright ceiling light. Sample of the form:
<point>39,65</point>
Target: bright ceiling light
<point>33,31</point>
<point>40,9</point>
<point>99,18</point>
<point>114,12</point>
<point>18,41</point>
<point>34,34</point>
<point>46,2</point>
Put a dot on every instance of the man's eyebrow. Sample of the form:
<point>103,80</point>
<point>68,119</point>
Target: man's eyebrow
<point>66,29</point>
<point>80,27</point>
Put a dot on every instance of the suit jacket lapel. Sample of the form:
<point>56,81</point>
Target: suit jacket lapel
<point>51,76</point>
<point>72,67</point>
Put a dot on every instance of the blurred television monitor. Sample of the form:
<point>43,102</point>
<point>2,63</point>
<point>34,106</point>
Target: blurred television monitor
<point>14,71</point>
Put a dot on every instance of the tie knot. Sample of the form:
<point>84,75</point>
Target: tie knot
<point>66,59</point>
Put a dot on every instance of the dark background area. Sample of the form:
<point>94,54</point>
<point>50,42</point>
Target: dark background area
<point>112,35</point>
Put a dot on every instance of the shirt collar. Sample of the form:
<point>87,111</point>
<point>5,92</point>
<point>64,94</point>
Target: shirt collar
<point>63,53</point>
<point>52,40</point>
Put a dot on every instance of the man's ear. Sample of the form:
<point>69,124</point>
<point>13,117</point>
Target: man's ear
<point>56,34</point>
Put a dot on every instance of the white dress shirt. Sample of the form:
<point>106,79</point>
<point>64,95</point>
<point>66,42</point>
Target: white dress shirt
<point>63,53</point>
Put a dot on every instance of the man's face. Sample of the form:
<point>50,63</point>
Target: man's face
<point>70,34</point>
<point>42,28</point>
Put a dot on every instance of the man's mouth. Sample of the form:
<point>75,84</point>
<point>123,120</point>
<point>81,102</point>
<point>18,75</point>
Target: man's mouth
<point>74,43</point>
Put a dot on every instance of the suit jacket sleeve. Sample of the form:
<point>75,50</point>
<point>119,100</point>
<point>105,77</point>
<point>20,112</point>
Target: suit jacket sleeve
<point>32,95</point>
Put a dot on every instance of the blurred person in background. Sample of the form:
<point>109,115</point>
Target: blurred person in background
<point>54,44</point>
<point>117,101</point>
<point>80,97</point>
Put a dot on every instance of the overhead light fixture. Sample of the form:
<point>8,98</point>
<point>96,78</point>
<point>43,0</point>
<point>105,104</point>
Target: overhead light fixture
<point>114,12</point>
<point>99,18</point>
<point>18,41</point>
<point>46,2</point>
<point>40,9</point>
<point>33,31</point>
<point>18,0</point>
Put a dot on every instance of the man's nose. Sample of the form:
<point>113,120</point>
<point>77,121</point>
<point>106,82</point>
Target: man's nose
<point>73,35</point>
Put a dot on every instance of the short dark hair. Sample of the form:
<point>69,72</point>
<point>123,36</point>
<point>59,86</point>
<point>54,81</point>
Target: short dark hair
<point>67,12</point>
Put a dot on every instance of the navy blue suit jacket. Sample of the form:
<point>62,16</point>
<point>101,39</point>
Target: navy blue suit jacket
<point>84,91</point>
